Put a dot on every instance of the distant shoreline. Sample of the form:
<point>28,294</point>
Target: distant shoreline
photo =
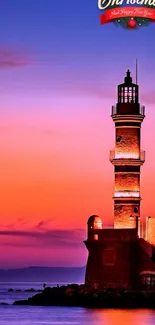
<point>44,274</point>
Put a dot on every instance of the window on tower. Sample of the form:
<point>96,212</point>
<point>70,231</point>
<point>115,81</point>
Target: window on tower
<point>147,281</point>
<point>135,210</point>
<point>127,94</point>
<point>118,139</point>
<point>130,95</point>
<point>134,94</point>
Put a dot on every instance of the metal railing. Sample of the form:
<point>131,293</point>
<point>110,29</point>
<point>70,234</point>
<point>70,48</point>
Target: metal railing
<point>142,155</point>
<point>114,110</point>
<point>127,155</point>
<point>112,155</point>
<point>141,110</point>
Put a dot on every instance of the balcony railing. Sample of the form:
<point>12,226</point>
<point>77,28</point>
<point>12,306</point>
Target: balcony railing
<point>127,155</point>
<point>142,155</point>
<point>141,110</point>
<point>114,110</point>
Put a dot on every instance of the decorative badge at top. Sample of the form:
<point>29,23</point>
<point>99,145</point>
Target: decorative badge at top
<point>129,14</point>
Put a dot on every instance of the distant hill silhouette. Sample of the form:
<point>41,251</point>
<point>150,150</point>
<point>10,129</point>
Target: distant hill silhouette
<point>44,274</point>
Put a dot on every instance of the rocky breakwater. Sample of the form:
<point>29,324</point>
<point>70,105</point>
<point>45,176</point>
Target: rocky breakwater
<point>80,295</point>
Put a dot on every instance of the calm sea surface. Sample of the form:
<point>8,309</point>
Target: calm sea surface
<point>25,315</point>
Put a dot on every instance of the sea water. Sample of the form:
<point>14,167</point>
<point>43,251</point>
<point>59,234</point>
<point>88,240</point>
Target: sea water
<point>27,315</point>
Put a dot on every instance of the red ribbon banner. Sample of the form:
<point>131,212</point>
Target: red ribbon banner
<point>114,13</point>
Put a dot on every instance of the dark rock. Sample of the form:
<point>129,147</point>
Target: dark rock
<point>30,290</point>
<point>10,290</point>
<point>80,295</point>
<point>4,304</point>
<point>21,302</point>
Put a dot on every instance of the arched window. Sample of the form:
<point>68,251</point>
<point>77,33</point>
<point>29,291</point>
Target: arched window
<point>147,281</point>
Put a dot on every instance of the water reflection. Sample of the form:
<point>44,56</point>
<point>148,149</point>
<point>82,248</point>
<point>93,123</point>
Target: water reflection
<point>123,317</point>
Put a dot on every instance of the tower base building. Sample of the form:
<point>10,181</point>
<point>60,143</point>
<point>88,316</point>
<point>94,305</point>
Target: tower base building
<point>124,256</point>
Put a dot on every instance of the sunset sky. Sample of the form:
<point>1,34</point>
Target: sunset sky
<point>58,75</point>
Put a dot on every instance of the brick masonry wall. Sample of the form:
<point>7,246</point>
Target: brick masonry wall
<point>127,181</point>
<point>122,214</point>
<point>151,230</point>
<point>109,265</point>
<point>129,140</point>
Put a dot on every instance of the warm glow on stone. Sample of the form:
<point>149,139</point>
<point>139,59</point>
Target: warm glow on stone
<point>124,216</point>
<point>126,155</point>
<point>129,141</point>
<point>150,230</point>
<point>127,194</point>
<point>95,222</point>
<point>97,225</point>
<point>128,182</point>
<point>96,237</point>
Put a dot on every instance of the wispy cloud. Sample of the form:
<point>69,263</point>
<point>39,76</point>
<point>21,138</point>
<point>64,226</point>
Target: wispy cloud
<point>12,58</point>
<point>48,238</point>
<point>44,224</point>
<point>15,225</point>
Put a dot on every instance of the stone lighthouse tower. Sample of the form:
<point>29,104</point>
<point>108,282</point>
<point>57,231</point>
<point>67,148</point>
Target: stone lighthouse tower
<point>118,257</point>
<point>127,158</point>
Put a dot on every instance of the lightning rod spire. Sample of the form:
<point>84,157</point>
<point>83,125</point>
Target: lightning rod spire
<point>136,71</point>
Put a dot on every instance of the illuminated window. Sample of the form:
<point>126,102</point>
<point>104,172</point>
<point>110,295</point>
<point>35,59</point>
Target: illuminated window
<point>127,94</point>
<point>148,281</point>
<point>96,237</point>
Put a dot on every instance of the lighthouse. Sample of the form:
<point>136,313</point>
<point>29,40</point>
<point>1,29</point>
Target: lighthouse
<point>127,157</point>
<point>120,257</point>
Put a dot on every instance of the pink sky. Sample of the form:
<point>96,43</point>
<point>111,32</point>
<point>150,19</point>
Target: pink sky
<point>58,80</point>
